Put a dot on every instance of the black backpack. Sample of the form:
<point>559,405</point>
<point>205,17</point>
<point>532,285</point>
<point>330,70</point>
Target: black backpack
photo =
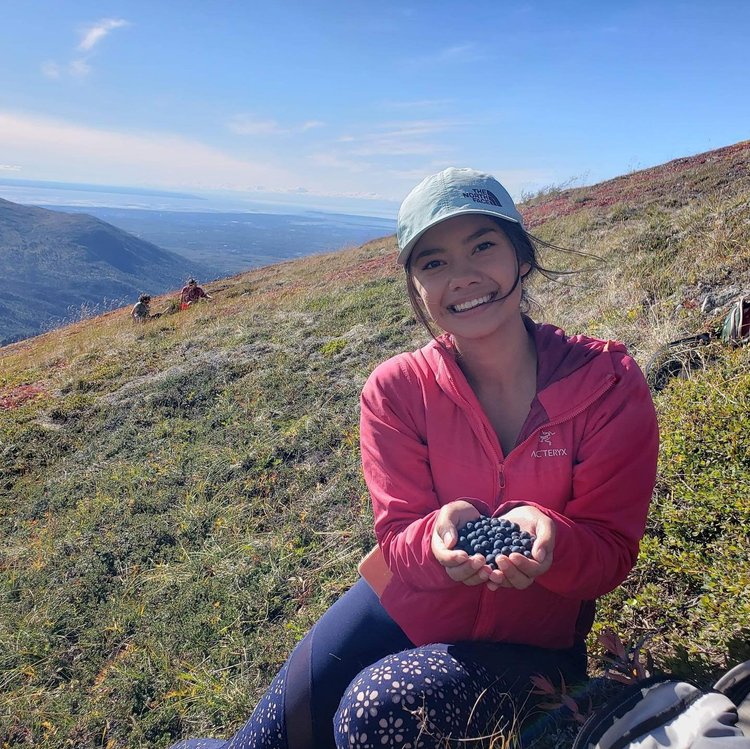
<point>663,711</point>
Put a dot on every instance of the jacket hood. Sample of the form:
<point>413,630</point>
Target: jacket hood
<point>560,355</point>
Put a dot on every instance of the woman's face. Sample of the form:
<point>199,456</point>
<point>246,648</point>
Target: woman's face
<point>462,268</point>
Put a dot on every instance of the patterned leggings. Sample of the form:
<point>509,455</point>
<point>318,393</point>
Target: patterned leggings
<point>356,682</point>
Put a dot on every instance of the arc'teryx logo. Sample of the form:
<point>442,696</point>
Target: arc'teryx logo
<point>480,195</point>
<point>545,438</point>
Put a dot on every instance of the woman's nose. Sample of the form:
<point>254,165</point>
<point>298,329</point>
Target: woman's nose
<point>463,274</point>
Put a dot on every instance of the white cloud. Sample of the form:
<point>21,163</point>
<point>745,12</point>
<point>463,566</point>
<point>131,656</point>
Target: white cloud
<point>383,162</point>
<point>415,138</point>
<point>333,160</point>
<point>51,69</point>
<point>49,149</point>
<point>93,34</point>
<point>247,124</point>
<point>457,54</point>
<point>9,168</point>
<point>79,68</point>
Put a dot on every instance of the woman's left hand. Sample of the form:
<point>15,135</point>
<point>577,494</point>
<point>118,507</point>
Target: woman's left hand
<point>516,570</point>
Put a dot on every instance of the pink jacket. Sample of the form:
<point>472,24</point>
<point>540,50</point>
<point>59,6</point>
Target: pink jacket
<point>586,456</point>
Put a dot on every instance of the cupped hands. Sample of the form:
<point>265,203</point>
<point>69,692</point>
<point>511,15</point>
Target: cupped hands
<point>514,571</point>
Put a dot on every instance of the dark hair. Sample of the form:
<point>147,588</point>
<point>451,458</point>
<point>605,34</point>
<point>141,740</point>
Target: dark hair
<point>144,298</point>
<point>527,251</point>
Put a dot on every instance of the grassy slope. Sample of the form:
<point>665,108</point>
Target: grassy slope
<point>181,500</point>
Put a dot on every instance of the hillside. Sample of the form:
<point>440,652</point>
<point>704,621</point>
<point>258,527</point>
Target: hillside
<point>56,266</point>
<point>179,501</point>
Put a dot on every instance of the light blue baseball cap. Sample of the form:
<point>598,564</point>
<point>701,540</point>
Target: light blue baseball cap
<point>449,193</point>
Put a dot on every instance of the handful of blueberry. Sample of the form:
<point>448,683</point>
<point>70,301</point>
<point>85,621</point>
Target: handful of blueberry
<point>494,537</point>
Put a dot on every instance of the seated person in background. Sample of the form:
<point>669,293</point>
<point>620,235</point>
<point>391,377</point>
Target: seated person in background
<point>141,311</point>
<point>191,293</point>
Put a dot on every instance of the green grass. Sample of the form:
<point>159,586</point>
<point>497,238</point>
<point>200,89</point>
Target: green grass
<point>183,499</point>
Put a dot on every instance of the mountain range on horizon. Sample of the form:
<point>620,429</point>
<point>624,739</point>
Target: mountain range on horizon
<point>57,267</point>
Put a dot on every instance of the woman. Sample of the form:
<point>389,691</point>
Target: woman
<point>496,416</point>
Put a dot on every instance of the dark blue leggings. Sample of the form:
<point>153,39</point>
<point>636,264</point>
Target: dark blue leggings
<point>357,682</point>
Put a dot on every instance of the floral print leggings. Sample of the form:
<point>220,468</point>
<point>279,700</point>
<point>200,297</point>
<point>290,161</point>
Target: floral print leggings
<point>356,682</point>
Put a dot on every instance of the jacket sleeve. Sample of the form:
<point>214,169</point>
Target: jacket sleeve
<point>598,534</point>
<point>397,472</point>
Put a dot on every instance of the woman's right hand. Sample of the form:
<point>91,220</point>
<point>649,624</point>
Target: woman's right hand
<point>469,570</point>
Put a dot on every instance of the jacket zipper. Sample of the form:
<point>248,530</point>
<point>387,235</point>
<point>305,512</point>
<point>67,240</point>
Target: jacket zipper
<point>608,384</point>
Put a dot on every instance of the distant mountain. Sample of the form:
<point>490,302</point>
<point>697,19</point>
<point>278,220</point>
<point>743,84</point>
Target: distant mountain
<point>55,265</point>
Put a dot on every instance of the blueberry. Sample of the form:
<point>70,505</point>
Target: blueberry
<point>494,537</point>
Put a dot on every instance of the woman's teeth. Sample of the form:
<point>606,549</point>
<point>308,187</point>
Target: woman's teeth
<point>473,303</point>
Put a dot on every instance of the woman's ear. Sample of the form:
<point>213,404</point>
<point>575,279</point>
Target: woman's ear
<point>524,269</point>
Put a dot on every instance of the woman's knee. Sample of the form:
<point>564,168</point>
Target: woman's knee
<point>413,698</point>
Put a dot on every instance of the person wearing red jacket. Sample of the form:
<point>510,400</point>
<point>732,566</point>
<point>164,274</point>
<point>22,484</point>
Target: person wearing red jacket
<point>496,416</point>
<point>191,293</point>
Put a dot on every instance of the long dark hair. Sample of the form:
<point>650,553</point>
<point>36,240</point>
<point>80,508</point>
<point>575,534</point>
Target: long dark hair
<point>527,251</point>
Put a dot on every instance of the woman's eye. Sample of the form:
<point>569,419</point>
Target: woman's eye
<point>483,246</point>
<point>430,264</point>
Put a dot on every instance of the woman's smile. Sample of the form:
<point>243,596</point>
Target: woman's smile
<point>472,304</point>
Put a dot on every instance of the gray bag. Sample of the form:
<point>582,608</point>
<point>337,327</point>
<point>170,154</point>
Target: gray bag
<point>664,712</point>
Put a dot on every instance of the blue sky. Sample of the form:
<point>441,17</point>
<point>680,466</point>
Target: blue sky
<point>348,103</point>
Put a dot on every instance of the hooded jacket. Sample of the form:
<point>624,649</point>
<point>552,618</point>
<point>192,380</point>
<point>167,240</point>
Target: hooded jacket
<point>586,457</point>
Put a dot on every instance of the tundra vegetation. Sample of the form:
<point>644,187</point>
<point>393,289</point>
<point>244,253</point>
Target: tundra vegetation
<point>181,500</point>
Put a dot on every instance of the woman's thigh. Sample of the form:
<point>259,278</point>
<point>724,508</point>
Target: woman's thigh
<point>354,632</point>
<point>437,694</point>
<point>297,710</point>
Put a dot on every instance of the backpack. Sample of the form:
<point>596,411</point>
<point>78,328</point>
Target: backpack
<point>663,711</point>
<point>736,327</point>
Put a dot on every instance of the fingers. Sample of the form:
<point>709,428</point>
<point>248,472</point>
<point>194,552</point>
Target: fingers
<point>472,571</point>
<point>545,542</point>
<point>512,572</point>
<point>445,534</point>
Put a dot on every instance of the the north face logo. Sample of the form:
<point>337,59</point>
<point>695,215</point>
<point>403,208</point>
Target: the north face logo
<point>480,195</point>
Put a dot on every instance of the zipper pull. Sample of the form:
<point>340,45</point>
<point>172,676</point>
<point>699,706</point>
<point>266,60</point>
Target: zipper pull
<point>501,480</point>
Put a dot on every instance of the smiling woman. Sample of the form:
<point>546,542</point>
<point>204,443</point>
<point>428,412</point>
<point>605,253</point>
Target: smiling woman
<point>553,437</point>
